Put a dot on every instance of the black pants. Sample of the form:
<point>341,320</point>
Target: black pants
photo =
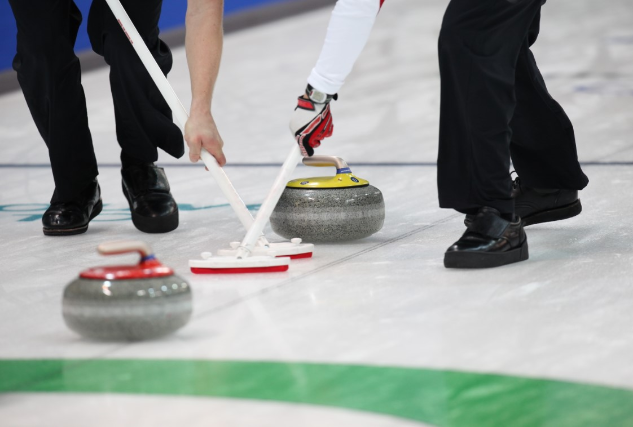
<point>50,76</point>
<point>495,106</point>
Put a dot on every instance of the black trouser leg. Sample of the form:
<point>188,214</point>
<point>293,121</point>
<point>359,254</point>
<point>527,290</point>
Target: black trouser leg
<point>479,48</point>
<point>143,118</point>
<point>50,77</point>
<point>543,145</point>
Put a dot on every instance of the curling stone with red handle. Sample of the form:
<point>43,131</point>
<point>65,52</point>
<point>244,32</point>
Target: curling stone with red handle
<point>129,302</point>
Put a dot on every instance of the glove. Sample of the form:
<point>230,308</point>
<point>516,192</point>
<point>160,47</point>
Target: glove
<point>311,122</point>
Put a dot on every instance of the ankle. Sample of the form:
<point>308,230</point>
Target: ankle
<point>546,190</point>
<point>127,161</point>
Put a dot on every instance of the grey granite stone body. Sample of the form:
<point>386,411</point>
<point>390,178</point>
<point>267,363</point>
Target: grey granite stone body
<point>329,215</point>
<point>120,310</point>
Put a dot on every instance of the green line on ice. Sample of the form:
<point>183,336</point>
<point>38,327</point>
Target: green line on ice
<point>438,397</point>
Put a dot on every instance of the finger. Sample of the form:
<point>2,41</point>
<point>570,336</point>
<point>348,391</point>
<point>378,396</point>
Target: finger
<point>194,151</point>
<point>304,152</point>
<point>330,130</point>
<point>219,155</point>
<point>214,147</point>
<point>220,158</point>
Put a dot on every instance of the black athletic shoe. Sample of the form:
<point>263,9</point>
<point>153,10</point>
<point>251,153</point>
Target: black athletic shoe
<point>537,206</point>
<point>72,217</point>
<point>489,241</point>
<point>146,189</point>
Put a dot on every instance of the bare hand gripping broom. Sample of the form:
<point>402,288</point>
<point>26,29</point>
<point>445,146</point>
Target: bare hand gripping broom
<point>254,253</point>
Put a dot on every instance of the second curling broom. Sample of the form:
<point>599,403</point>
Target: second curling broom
<point>261,252</point>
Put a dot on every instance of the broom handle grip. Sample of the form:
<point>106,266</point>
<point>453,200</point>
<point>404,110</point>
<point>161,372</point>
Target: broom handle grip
<point>180,113</point>
<point>263,215</point>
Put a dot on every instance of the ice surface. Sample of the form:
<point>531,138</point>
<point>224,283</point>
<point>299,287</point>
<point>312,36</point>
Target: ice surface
<point>386,300</point>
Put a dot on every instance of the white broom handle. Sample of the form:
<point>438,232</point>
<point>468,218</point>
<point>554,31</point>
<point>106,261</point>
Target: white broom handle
<point>263,215</point>
<point>148,61</point>
<point>180,112</point>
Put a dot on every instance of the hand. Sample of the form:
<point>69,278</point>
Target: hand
<point>311,122</point>
<point>201,132</point>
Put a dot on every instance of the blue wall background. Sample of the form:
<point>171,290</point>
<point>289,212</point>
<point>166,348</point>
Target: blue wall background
<point>173,16</point>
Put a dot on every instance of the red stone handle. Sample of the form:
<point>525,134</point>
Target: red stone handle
<point>126,246</point>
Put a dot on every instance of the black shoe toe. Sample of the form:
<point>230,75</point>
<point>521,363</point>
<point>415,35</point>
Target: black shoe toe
<point>72,217</point>
<point>489,241</point>
<point>147,191</point>
<point>537,206</point>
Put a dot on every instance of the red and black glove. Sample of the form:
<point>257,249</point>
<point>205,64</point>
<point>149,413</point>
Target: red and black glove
<point>311,122</point>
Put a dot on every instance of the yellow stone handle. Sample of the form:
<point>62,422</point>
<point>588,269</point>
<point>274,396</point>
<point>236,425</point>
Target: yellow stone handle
<point>320,161</point>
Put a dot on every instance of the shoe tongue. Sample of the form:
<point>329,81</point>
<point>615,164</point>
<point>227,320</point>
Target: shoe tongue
<point>150,179</point>
<point>489,223</point>
<point>492,211</point>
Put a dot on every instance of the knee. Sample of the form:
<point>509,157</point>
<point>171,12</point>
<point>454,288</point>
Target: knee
<point>451,37</point>
<point>51,55</point>
<point>95,35</point>
<point>113,45</point>
<point>117,49</point>
<point>44,48</point>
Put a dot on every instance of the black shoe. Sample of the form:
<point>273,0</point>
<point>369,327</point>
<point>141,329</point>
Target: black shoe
<point>72,217</point>
<point>537,206</point>
<point>489,241</point>
<point>146,189</point>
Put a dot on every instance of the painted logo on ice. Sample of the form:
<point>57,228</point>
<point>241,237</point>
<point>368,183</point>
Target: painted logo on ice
<point>27,212</point>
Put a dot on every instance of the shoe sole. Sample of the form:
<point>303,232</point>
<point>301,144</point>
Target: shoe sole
<point>96,210</point>
<point>564,212</point>
<point>467,259</point>
<point>152,225</point>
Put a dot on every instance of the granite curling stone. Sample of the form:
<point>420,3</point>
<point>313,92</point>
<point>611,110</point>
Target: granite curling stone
<point>127,303</point>
<point>329,209</point>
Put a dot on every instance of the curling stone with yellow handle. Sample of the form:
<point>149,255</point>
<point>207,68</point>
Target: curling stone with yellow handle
<point>329,209</point>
